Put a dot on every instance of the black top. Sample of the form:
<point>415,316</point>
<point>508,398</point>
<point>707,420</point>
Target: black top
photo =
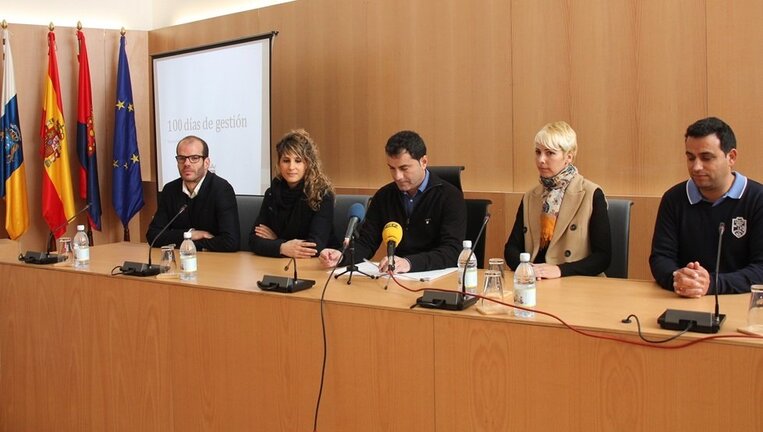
<point>432,234</point>
<point>684,233</point>
<point>288,214</point>
<point>213,209</point>
<point>598,234</point>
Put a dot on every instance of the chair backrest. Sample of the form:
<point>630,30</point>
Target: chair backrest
<point>619,225</point>
<point>248,210</point>
<point>342,205</point>
<point>449,173</point>
<point>476,209</point>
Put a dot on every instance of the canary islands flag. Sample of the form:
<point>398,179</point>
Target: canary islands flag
<point>12,174</point>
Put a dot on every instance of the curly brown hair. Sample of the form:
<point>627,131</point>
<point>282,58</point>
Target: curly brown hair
<point>317,185</point>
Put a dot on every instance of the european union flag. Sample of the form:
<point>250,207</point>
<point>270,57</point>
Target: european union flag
<point>127,192</point>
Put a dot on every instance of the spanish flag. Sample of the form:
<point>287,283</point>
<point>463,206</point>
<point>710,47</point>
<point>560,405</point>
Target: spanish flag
<point>57,195</point>
<point>13,178</point>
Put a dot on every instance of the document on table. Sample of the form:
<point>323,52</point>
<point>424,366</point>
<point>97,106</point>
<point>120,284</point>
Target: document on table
<point>372,269</point>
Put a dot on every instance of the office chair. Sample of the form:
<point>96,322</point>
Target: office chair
<point>619,225</point>
<point>248,210</point>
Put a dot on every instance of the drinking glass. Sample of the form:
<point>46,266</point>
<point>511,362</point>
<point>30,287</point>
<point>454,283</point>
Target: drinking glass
<point>65,251</point>
<point>755,310</point>
<point>497,264</point>
<point>493,289</point>
<point>168,263</point>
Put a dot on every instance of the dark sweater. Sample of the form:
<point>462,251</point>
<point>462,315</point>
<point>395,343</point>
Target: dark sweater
<point>288,214</point>
<point>213,209</point>
<point>598,233</point>
<point>432,236</point>
<point>684,233</point>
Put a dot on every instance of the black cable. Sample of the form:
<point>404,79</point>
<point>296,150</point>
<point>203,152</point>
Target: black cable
<point>627,320</point>
<point>120,271</point>
<point>325,341</point>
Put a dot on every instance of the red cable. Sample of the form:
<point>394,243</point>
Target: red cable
<point>585,332</point>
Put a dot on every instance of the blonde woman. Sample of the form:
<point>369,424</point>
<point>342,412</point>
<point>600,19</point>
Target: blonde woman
<point>562,222</point>
<point>297,213</point>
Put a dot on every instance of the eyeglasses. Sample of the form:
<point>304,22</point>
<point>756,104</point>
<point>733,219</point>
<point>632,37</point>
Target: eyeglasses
<point>193,158</point>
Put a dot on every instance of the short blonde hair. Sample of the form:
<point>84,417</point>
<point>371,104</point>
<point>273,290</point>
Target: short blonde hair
<point>558,136</point>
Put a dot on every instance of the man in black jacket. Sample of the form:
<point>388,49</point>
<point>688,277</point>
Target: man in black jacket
<point>431,212</point>
<point>212,213</point>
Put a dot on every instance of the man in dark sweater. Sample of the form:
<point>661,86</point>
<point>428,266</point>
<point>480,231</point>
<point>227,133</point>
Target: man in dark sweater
<point>688,225</point>
<point>212,213</point>
<point>431,212</point>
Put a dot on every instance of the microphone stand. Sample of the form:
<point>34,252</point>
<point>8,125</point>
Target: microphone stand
<point>693,321</point>
<point>31,257</point>
<point>285,284</point>
<point>352,268</point>
<point>453,300</point>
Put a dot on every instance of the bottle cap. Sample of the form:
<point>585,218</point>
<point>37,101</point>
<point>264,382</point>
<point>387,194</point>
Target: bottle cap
<point>80,227</point>
<point>467,244</point>
<point>187,235</point>
<point>524,257</point>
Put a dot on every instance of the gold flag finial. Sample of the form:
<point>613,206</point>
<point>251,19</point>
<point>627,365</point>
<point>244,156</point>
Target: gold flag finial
<point>123,31</point>
<point>4,24</point>
<point>51,27</point>
<point>79,25</point>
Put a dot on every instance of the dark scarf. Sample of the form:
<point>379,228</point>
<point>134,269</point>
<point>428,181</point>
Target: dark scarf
<point>289,205</point>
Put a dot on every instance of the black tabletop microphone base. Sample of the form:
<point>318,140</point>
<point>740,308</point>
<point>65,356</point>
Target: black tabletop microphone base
<point>32,257</point>
<point>284,284</point>
<point>139,269</point>
<point>698,322</point>
<point>453,300</point>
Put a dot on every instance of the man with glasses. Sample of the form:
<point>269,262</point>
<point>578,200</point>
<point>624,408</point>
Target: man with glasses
<point>212,213</point>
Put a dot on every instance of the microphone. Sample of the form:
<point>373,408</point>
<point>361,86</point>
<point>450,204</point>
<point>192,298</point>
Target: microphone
<point>454,300</point>
<point>140,269</point>
<point>355,214</point>
<point>32,257</point>
<point>391,235</point>
<point>700,322</point>
<point>285,284</point>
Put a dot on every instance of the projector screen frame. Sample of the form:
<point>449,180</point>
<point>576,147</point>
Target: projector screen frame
<point>255,185</point>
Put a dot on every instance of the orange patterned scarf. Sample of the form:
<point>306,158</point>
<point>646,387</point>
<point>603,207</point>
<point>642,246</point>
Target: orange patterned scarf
<point>553,194</point>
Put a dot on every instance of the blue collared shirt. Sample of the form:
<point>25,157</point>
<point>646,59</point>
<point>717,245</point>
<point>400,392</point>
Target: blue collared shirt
<point>410,201</point>
<point>735,191</point>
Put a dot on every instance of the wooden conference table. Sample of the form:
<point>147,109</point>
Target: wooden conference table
<point>86,351</point>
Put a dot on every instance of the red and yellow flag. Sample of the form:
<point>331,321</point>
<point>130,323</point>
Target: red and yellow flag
<point>57,195</point>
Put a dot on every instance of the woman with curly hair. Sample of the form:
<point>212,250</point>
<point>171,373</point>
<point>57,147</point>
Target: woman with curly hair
<point>297,213</point>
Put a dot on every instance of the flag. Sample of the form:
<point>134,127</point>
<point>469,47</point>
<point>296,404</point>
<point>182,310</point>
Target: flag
<point>57,195</point>
<point>127,192</point>
<point>88,171</point>
<point>12,173</point>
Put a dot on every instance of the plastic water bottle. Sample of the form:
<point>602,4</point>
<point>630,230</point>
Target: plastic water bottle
<point>524,286</point>
<point>187,258</point>
<point>81,246</point>
<point>470,281</point>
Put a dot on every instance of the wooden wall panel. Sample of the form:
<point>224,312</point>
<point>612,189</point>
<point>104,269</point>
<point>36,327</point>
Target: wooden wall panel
<point>735,75</point>
<point>541,67</point>
<point>29,45</point>
<point>603,109</point>
<point>672,91</point>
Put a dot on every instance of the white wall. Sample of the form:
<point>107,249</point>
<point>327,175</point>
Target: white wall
<point>115,14</point>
